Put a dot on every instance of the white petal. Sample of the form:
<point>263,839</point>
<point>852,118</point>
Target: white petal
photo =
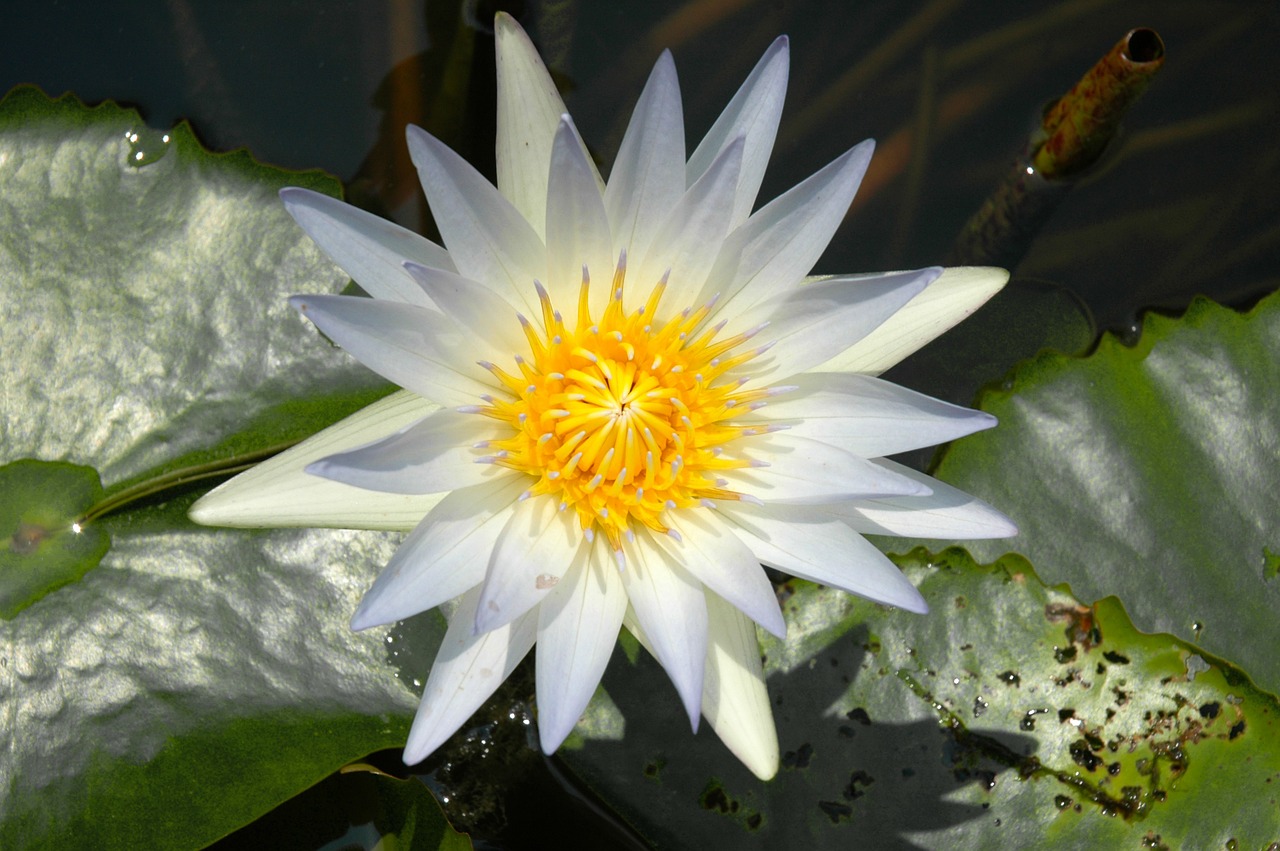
<point>278,492</point>
<point>870,417</point>
<point>671,608</point>
<point>734,698</point>
<point>770,255</point>
<point>466,671</point>
<point>444,556</point>
<point>689,241</point>
<point>753,113</point>
<point>708,549</point>
<point>539,545</point>
<point>956,294</point>
<point>488,239</point>
<point>434,454</point>
<point>577,628</point>
<point>577,226</point>
<point>529,108</point>
<point>806,472</point>
<point>946,513</point>
<point>818,547</point>
<point>647,179</point>
<point>368,248</point>
<point>811,324</point>
<point>417,348</point>
<point>484,312</point>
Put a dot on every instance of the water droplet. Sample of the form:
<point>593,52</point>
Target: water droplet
<point>146,146</point>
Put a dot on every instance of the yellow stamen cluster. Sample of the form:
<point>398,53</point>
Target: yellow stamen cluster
<point>623,418</point>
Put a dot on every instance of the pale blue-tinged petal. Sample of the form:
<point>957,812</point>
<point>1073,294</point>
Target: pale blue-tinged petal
<point>278,492</point>
<point>671,608</point>
<point>488,239</point>
<point>418,348</point>
<point>689,240</point>
<point>535,550</point>
<point>800,471</point>
<point>708,548</point>
<point>444,556</point>
<point>810,325</point>
<point>577,226</point>
<point>946,513</point>
<point>771,253</point>
<point>753,113</point>
<point>466,671</point>
<point>734,698</point>
<point>817,546</point>
<point>529,108</point>
<point>868,416</point>
<point>486,313</point>
<point>443,451</point>
<point>647,179</point>
<point>578,625</point>
<point>368,248</point>
<point>953,296</point>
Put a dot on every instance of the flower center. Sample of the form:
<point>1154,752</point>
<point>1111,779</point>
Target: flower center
<point>625,417</point>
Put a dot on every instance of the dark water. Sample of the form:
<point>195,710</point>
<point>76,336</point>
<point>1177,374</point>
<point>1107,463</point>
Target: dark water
<point>1182,204</point>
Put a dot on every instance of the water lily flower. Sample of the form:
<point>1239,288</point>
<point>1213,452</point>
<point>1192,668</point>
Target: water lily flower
<point>620,399</point>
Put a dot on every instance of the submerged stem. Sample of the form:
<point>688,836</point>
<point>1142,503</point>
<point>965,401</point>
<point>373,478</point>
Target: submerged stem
<point>177,478</point>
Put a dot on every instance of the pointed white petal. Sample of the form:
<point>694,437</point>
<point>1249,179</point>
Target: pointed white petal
<point>488,239</point>
<point>812,323</point>
<point>869,417</point>
<point>415,347</point>
<point>648,174</point>
<point>539,545</point>
<point>444,556</point>
<point>529,108</point>
<point>466,671</point>
<point>577,627</point>
<point>689,241</point>
<point>368,248</point>
<point>708,549</point>
<point>753,113</point>
<point>770,255</point>
<point>946,513</point>
<point>956,294</point>
<point>817,546</point>
<point>734,698</point>
<point>278,492</point>
<point>434,454</point>
<point>801,471</point>
<point>482,311</point>
<point>671,608</point>
<point>577,226</point>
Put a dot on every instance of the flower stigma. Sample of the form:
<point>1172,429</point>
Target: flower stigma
<point>624,417</point>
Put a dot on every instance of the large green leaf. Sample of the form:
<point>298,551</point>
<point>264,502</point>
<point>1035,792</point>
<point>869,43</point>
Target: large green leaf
<point>196,677</point>
<point>1011,716</point>
<point>1151,473</point>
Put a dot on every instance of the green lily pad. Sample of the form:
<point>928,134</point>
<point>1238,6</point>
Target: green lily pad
<point>1011,716</point>
<point>195,678</point>
<point>42,547</point>
<point>1150,473</point>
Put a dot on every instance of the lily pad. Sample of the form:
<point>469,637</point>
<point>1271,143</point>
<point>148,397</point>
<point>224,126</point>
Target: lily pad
<point>42,547</point>
<point>195,678</point>
<point>1150,473</point>
<point>1010,716</point>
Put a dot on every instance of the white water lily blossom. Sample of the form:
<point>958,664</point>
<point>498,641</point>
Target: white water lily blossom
<point>620,399</point>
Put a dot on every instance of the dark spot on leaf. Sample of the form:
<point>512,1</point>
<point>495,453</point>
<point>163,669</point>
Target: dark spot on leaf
<point>1061,801</point>
<point>798,758</point>
<point>908,772</point>
<point>715,798</point>
<point>845,731</point>
<point>1065,715</point>
<point>1113,769</point>
<point>1083,756</point>
<point>860,715</point>
<point>1116,658</point>
<point>835,811</point>
<point>1063,655</point>
<point>851,791</point>
<point>1210,710</point>
<point>754,821</point>
<point>961,602</point>
<point>1236,729</point>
